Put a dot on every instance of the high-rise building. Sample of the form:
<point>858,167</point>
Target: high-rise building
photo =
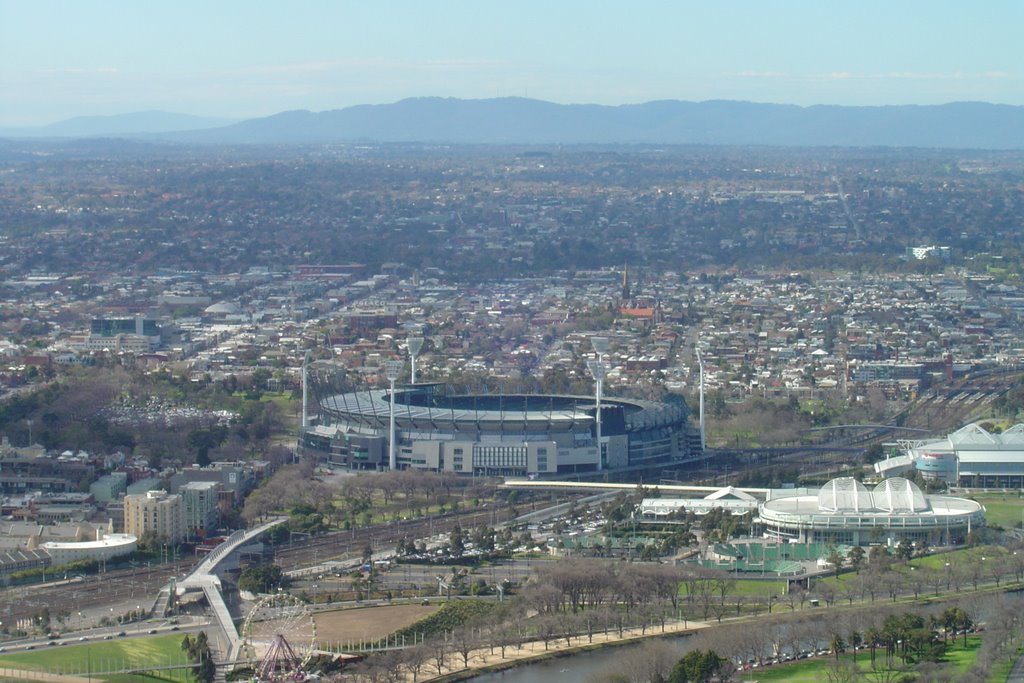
<point>136,335</point>
<point>200,501</point>
<point>158,512</point>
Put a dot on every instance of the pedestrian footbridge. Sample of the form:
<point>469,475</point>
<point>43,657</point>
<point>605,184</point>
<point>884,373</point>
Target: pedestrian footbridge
<point>205,577</point>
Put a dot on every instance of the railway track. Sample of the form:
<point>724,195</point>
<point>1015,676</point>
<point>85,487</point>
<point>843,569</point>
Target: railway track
<point>69,597</point>
<point>141,584</point>
<point>343,544</point>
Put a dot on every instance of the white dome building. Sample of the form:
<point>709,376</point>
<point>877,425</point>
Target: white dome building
<point>845,511</point>
<point>222,308</point>
<point>106,547</point>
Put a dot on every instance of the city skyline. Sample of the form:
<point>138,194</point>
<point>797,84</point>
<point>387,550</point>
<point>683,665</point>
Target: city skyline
<point>245,60</point>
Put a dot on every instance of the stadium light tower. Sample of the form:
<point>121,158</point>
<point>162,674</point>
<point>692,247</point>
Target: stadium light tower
<point>598,370</point>
<point>305,390</point>
<point>392,369</point>
<point>414,344</point>
<point>700,365</point>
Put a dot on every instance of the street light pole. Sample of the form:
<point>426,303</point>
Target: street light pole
<point>392,369</point>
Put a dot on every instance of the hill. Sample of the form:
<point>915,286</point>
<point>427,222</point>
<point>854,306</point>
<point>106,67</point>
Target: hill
<point>121,125</point>
<point>525,121</point>
<point>513,120</point>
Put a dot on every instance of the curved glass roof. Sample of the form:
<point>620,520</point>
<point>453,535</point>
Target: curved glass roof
<point>899,495</point>
<point>844,494</point>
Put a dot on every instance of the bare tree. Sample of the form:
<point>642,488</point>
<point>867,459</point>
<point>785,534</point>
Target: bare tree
<point>542,597</point>
<point>868,583</point>
<point>582,582</point>
<point>414,659</point>
<point>391,665</point>
<point>546,628</point>
<point>825,592</point>
<point>439,651</point>
<point>652,661</point>
<point>568,625</point>
<point>464,641</point>
<point>706,587</point>
<point>842,671</point>
<point>795,595</point>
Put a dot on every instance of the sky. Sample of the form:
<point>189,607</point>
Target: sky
<point>250,58</point>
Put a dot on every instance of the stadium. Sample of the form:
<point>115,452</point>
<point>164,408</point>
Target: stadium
<point>499,434</point>
<point>845,511</point>
<point>970,457</point>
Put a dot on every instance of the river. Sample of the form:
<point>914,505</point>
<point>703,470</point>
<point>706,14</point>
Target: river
<point>578,668</point>
<point>582,667</point>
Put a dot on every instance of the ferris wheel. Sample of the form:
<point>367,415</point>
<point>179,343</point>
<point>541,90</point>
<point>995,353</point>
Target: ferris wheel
<point>279,636</point>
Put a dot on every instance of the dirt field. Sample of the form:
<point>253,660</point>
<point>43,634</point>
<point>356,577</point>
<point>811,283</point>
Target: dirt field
<point>370,623</point>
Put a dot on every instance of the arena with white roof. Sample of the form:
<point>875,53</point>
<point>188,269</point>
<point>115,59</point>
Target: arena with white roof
<point>970,457</point>
<point>845,511</point>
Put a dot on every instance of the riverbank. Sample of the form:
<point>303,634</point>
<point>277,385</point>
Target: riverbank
<point>487,660</point>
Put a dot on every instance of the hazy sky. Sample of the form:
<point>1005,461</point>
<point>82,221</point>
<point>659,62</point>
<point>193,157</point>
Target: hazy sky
<point>246,58</point>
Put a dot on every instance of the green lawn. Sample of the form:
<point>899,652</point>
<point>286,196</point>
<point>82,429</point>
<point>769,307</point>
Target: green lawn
<point>284,400</point>
<point>103,655</point>
<point>1002,509</point>
<point>960,558</point>
<point>1001,670</point>
<point>751,587</point>
<point>759,588</point>
<point>816,669</point>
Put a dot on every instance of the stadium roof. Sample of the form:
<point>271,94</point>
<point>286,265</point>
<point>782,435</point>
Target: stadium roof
<point>846,494</point>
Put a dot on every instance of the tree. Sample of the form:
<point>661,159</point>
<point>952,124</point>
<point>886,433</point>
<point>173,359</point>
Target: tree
<point>198,650</point>
<point>439,651</point>
<point>856,558</point>
<point>261,579</point>
<point>878,557</point>
<point>842,671</point>
<point>699,666</point>
<point>414,659</point>
<point>651,662</point>
<point>464,641</point>
<point>956,619</point>
<point>835,558</point>
<point>836,644</point>
<point>856,640</point>
<point>456,542</point>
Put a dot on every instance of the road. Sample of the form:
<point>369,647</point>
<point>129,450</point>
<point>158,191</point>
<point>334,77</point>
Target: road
<point>1017,672</point>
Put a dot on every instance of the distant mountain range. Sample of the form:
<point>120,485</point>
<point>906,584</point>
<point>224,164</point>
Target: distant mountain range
<point>513,120</point>
<point>121,126</point>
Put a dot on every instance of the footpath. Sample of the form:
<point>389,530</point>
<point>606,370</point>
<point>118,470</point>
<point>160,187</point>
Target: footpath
<point>480,659</point>
<point>26,675</point>
<point>490,658</point>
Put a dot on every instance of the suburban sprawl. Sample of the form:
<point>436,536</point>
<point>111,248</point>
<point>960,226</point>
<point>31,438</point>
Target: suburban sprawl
<point>412,412</point>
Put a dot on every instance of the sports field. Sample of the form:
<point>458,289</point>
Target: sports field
<point>87,660</point>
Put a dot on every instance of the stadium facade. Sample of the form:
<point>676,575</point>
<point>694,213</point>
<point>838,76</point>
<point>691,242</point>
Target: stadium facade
<point>970,457</point>
<point>500,434</point>
<point>845,511</point>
